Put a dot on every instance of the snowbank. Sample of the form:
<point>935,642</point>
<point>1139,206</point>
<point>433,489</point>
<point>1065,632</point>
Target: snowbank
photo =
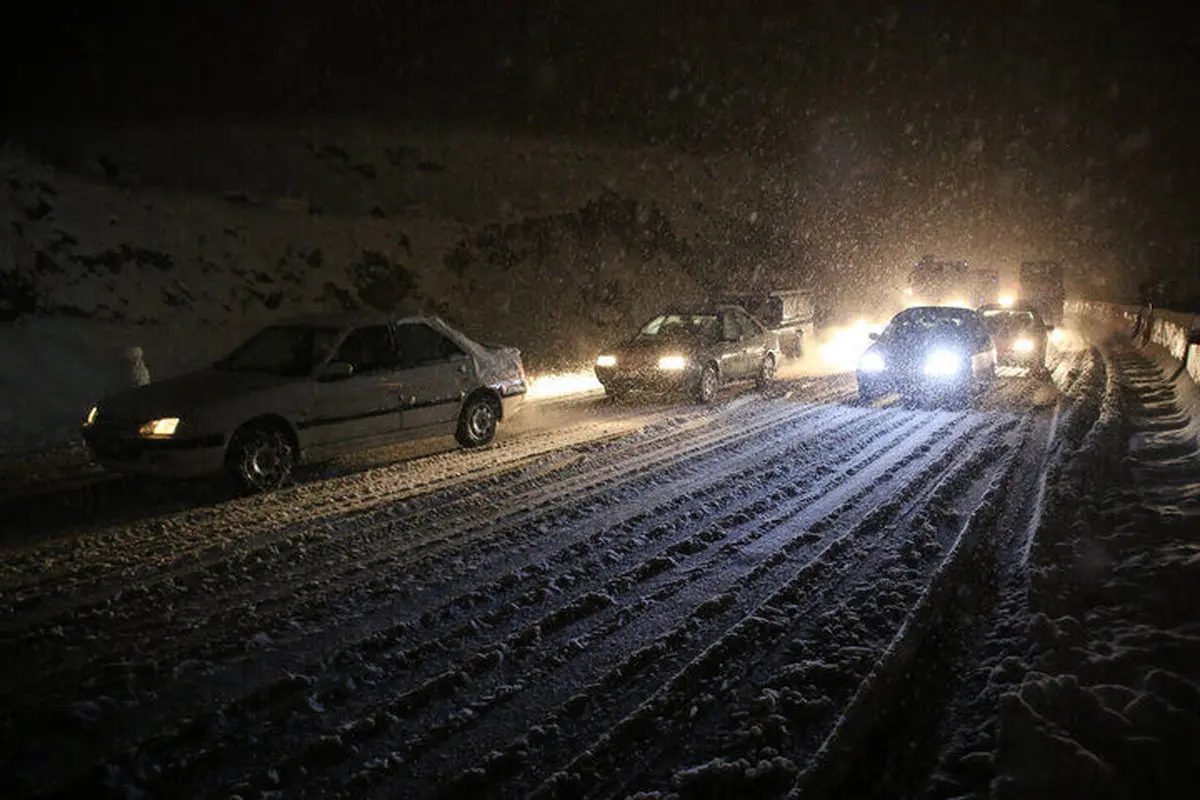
<point>1168,329</point>
<point>1102,699</point>
<point>1167,423</point>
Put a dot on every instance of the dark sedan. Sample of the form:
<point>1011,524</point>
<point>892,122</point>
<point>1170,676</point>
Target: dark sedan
<point>1020,335</point>
<point>693,351</point>
<point>928,353</point>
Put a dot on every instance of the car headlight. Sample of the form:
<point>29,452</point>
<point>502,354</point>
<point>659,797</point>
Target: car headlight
<point>91,416</point>
<point>672,362</point>
<point>606,361</point>
<point>1023,345</point>
<point>942,363</point>
<point>872,362</point>
<point>163,428</point>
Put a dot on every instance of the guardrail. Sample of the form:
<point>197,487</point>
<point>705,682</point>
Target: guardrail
<point>1177,333</point>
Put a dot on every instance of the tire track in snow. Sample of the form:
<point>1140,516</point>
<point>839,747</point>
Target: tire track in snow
<point>330,531</point>
<point>448,681</point>
<point>114,552</point>
<point>648,562</point>
<point>187,537</point>
<point>380,485</point>
<point>503,596</point>
<point>152,610</point>
<point>851,416</point>
<point>724,696</point>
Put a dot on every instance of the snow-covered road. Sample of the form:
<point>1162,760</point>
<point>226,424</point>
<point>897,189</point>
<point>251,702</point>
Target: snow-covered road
<point>612,599</point>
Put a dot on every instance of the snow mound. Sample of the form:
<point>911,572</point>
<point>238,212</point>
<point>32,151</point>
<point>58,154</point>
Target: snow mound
<point>1105,700</point>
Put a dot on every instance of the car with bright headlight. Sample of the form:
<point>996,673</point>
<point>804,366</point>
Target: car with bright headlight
<point>694,350</point>
<point>308,390</point>
<point>928,353</point>
<point>1020,334</point>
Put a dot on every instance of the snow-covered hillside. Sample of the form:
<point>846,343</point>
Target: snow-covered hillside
<point>183,240</point>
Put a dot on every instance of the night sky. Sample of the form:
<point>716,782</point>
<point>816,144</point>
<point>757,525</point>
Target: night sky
<point>1083,114</point>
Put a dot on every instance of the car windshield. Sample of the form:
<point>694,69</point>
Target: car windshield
<point>668,326</point>
<point>1005,320</point>
<point>919,321</point>
<point>287,350</point>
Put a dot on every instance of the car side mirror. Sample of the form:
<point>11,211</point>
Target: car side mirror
<point>873,336</point>
<point>336,371</point>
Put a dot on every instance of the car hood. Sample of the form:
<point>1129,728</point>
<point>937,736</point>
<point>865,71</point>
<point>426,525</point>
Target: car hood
<point>192,390</point>
<point>650,350</point>
<point>911,351</point>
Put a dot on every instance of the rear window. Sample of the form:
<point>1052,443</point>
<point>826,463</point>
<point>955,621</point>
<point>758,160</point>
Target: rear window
<point>767,309</point>
<point>1000,319</point>
<point>797,307</point>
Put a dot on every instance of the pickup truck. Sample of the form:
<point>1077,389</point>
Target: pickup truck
<point>788,313</point>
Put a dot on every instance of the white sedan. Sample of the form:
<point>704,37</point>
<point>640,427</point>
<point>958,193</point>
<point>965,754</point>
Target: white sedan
<point>308,390</point>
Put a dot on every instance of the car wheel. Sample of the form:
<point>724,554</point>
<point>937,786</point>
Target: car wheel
<point>477,422</point>
<point>261,457</point>
<point>706,388</point>
<point>766,373</point>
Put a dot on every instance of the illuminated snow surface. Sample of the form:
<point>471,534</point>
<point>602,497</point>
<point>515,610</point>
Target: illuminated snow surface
<point>647,596</point>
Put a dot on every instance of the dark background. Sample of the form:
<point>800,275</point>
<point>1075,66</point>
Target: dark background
<point>1088,109</point>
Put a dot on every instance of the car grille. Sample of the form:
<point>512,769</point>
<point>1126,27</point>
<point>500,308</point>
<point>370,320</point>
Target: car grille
<point>638,362</point>
<point>114,449</point>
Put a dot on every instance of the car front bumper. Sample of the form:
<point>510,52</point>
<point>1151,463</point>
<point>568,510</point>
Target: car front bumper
<point>186,457</point>
<point>650,379</point>
<point>878,384</point>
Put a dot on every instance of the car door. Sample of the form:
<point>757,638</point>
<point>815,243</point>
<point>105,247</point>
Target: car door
<point>733,349</point>
<point>755,342</point>
<point>435,375</point>
<point>746,345</point>
<point>353,410</point>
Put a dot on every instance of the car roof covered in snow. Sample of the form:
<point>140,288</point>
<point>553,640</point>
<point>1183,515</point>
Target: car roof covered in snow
<point>1015,308</point>
<point>702,309</point>
<point>352,319</point>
